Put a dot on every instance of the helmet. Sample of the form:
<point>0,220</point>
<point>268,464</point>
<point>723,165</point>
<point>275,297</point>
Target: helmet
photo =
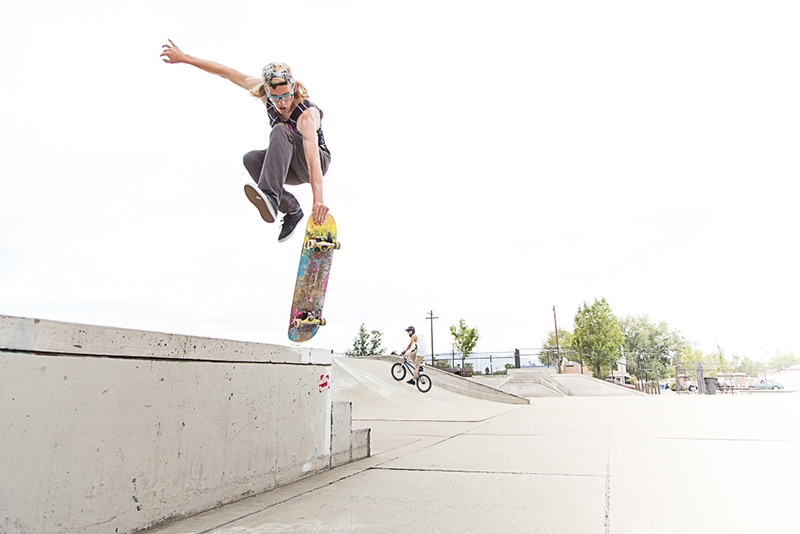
<point>411,329</point>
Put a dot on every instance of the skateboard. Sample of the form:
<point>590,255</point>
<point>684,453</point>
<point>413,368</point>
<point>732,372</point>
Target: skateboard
<point>312,279</point>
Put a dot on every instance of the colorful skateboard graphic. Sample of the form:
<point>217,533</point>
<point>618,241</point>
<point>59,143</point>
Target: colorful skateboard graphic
<point>312,279</point>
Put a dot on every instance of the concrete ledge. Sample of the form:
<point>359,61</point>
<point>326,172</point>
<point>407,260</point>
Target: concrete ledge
<point>114,430</point>
<point>360,444</point>
<point>42,336</point>
<point>347,445</point>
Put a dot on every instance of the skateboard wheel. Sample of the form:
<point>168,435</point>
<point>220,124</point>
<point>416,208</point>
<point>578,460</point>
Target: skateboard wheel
<point>322,321</point>
<point>297,323</point>
<point>337,246</point>
<point>312,243</point>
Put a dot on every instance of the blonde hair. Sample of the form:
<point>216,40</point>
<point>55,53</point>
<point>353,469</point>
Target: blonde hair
<point>300,91</point>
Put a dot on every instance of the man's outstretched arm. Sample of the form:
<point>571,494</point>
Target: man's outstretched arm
<point>172,54</point>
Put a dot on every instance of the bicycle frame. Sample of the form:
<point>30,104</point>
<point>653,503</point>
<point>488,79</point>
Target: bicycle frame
<point>410,365</point>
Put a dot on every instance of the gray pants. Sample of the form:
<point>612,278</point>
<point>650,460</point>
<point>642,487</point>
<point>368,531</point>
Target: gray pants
<point>284,162</point>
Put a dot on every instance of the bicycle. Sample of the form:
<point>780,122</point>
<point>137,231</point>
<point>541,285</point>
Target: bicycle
<point>399,371</point>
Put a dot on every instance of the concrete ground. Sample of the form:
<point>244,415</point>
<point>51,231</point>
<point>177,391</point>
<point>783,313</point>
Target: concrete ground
<point>446,463</point>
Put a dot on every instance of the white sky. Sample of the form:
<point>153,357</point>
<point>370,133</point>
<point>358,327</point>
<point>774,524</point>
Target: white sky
<point>490,161</point>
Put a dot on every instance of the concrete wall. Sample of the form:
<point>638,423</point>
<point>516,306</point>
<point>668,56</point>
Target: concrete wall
<point>113,430</point>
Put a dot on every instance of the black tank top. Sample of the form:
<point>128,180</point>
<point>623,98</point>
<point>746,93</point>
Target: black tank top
<point>291,122</point>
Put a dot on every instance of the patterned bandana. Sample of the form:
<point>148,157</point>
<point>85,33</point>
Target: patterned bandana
<point>277,70</point>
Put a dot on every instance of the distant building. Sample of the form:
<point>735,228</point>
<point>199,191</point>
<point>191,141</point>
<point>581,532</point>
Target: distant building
<point>568,367</point>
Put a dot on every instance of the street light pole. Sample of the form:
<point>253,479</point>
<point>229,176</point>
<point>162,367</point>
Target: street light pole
<point>431,318</point>
<point>558,349</point>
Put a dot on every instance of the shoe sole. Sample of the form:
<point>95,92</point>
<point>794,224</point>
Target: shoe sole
<point>255,196</point>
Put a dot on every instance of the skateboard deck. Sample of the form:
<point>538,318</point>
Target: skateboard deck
<point>312,279</point>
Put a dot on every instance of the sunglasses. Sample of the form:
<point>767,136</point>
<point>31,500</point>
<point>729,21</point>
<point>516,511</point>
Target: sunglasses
<point>286,97</point>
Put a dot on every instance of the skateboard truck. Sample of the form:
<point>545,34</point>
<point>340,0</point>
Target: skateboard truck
<point>322,245</point>
<point>309,318</point>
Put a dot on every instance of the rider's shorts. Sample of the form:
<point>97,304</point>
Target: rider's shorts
<point>416,359</point>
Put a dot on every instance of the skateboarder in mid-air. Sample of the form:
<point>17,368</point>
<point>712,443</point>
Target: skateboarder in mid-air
<point>297,152</point>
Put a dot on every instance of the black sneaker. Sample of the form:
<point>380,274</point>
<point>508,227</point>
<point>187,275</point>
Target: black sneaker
<point>411,382</point>
<point>265,204</point>
<point>289,225</point>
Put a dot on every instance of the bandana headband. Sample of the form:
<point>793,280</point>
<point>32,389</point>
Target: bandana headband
<point>277,70</point>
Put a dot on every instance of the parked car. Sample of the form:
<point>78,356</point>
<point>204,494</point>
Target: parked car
<point>767,384</point>
<point>617,382</point>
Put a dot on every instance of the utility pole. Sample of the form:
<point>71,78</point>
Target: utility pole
<point>558,349</point>
<point>431,318</point>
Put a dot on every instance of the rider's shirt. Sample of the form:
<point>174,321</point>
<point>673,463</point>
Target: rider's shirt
<point>291,122</point>
<point>422,349</point>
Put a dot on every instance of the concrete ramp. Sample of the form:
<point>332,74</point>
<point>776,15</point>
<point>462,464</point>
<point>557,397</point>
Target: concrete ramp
<point>544,383</point>
<point>375,395</point>
<point>529,388</point>
<point>586,386</point>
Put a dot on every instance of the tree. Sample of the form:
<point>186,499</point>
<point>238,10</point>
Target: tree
<point>364,345</point>
<point>748,367</point>
<point>549,354</point>
<point>690,354</point>
<point>597,336</point>
<point>716,362</point>
<point>783,360</point>
<point>465,338</point>
<point>684,362</point>
<point>650,345</point>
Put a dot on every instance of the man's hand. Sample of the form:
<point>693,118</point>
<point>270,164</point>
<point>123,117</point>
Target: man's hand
<point>172,54</point>
<point>320,212</point>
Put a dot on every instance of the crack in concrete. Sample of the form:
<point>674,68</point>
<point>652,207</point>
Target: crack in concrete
<point>482,472</point>
<point>608,487</point>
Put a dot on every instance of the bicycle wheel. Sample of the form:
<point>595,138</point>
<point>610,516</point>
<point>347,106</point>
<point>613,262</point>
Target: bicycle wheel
<point>423,383</point>
<point>398,371</point>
